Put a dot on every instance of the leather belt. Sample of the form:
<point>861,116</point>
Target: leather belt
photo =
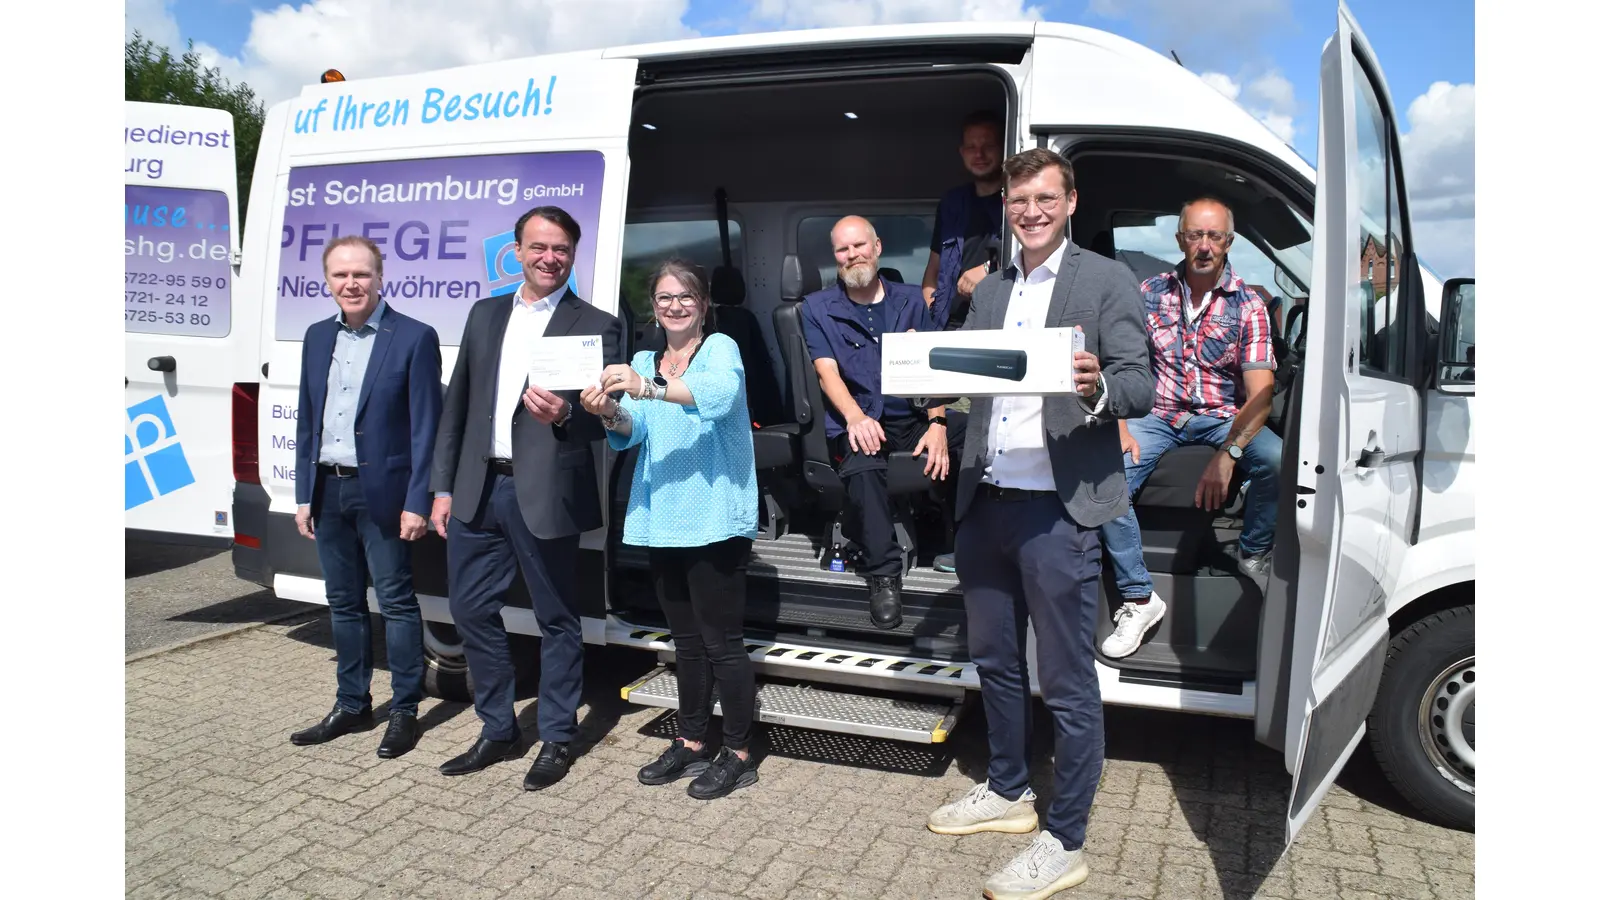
<point>500,466</point>
<point>339,471</point>
<point>1010,495</point>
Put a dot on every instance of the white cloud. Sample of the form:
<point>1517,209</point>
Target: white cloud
<point>153,19</point>
<point>290,46</point>
<point>791,14</point>
<point>1268,97</point>
<point>1439,154</point>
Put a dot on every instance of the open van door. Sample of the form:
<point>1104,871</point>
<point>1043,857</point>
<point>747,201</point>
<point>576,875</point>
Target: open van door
<point>1356,471</point>
<point>187,346</point>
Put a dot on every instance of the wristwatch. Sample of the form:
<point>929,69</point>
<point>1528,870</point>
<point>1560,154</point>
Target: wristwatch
<point>1235,452</point>
<point>565,417</point>
<point>937,420</point>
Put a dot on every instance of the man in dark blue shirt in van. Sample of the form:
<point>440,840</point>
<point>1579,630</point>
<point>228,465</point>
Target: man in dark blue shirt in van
<point>966,228</point>
<point>844,325</point>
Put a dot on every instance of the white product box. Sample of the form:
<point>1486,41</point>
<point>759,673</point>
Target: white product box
<point>1036,361</point>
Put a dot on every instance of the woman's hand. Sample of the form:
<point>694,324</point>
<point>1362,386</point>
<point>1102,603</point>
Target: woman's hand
<point>596,401</point>
<point>620,377</point>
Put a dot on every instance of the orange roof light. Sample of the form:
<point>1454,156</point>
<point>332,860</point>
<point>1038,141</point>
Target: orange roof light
<point>332,75</point>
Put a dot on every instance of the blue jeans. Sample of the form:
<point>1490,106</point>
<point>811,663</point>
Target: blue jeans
<point>1260,463</point>
<point>350,546</point>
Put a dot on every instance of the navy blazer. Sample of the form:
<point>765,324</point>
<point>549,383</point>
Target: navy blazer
<point>834,330</point>
<point>397,416</point>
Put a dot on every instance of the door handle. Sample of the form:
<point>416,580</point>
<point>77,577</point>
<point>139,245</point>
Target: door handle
<point>1369,458</point>
<point>163,364</point>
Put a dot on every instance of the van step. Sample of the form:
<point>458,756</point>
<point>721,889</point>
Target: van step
<point>806,706</point>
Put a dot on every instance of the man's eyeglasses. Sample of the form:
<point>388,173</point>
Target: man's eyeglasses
<point>1045,202</point>
<point>685,300</point>
<point>1193,237</point>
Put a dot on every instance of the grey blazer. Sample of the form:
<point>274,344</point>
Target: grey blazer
<point>1085,451</point>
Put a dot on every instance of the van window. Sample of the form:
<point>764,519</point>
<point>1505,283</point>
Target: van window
<point>646,244</point>
<point>1151,248</point>
<point>1382,324</point>
<point>446,227</point>
<point>178,268</point>
<point>905,244</point>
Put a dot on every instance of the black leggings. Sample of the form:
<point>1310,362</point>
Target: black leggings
<point>702,592</point>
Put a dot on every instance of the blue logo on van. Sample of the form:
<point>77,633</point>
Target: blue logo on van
<point>153,460</point>
<point>501,267</point>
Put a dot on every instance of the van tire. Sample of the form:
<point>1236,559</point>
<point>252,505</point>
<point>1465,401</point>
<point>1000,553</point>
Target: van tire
<point>1435,657</point>
<point>444,663</point>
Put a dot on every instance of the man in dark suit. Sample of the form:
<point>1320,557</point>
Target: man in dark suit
<point>515,476</point>
<point>1039,475</point>
<point>369,408</point>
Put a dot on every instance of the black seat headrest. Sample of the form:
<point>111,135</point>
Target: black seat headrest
<point>892,275</point>
<point>727,286</point>
<point>1103,245</point>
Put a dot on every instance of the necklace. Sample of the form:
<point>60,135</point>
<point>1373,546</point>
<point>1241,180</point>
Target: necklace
<point>673,367</point>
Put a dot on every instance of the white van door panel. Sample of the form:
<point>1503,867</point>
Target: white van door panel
<point>1360,425</point>
<point>186,345</point>
<point>438,182</point>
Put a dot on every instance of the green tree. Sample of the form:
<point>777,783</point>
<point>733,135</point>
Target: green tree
<point>154,75</point>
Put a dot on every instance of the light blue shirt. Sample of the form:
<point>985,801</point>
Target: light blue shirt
<point>695,480</point>
<point>352,350</point>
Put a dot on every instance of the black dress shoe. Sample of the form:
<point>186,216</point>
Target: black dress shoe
<point>483,754</point>
<point>884,602</point>
<point>549,767</point>
<point>400,737</point>
<point>336,724</point>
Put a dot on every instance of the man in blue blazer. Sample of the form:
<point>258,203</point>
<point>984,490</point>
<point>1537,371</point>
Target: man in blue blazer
<point>370,397</point>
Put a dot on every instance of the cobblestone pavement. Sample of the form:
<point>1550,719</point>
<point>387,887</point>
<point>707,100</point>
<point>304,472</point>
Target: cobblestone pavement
<point>219,804</point>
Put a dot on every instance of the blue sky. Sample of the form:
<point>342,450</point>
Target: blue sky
<point>1265,53</point>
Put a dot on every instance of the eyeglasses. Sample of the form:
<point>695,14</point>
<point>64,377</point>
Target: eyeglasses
<point>685,299</point>
<point>1045,202</point>
<point>1193,237</point>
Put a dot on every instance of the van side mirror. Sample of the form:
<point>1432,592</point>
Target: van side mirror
<point>1457,360</point>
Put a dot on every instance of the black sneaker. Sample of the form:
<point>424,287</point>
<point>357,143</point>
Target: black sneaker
<point>676,762</point>
<point>725,774</point>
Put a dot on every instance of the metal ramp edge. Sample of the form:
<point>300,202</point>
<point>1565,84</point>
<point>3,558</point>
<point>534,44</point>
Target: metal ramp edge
<point>922,721</point>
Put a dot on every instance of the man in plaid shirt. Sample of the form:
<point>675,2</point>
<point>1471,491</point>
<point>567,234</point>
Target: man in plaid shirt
<point>1211,353</point>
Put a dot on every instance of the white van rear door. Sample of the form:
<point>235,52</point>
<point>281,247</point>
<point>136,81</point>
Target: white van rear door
<point>186,345</point>
<point>1356,475</point>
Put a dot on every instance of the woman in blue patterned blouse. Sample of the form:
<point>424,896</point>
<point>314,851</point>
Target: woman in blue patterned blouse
<point>693,505</point>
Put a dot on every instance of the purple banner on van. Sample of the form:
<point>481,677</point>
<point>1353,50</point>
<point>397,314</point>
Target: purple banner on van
<point>176,246</point>
<point>445,227</point>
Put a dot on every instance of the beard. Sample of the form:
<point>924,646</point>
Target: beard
<point>859,275</point>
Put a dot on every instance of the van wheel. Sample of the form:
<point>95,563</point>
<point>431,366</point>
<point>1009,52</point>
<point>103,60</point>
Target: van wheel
<point>444,661</point>
<point>1422,728</point>
<point>445,674</point>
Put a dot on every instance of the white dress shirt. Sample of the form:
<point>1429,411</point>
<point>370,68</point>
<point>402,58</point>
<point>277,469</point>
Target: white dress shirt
<point>529,318</point>
<point>1017,454</point>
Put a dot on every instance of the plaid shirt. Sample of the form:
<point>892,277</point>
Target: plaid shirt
<point>1200,368</point>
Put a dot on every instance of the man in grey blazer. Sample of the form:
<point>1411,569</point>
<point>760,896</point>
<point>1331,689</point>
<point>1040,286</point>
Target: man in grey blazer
<point>514,482</point>
<point>1038,476</point>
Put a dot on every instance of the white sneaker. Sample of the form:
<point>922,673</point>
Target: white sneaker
<point>1038,872</point>
<point>984,810</point>
<point>1134,621</point>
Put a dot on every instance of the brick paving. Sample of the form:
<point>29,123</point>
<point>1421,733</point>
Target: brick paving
<point>220,805</point>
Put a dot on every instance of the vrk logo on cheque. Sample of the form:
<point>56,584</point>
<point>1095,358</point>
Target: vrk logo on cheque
<point>153,459</point>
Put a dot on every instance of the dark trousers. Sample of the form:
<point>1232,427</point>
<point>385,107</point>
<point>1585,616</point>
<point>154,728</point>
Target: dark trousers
<point>481,554</point>
<point>866,485</point>
<point>1022,560</point>
<point>349,546</point>
<point>702,591</point>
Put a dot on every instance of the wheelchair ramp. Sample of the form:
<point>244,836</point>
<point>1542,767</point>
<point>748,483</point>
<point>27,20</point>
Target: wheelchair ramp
<point>822,709</point>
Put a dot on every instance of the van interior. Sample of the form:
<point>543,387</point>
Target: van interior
<point>747,179</point>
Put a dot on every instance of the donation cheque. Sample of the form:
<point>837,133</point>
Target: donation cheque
<point>979,363</point>
<point>565,363</point>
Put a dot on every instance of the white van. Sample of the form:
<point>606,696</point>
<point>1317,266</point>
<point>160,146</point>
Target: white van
<point>740,152</point>
<point>190,353</point>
